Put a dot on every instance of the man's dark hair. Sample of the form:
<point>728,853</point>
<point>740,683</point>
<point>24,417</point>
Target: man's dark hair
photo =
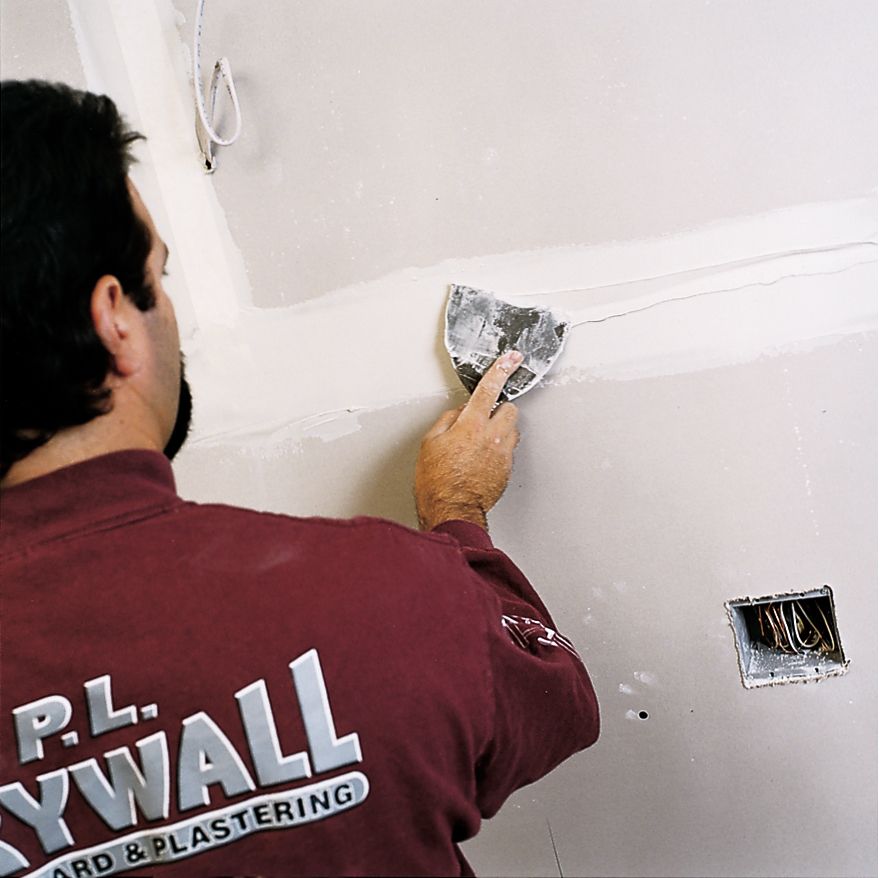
<point>66,219</point>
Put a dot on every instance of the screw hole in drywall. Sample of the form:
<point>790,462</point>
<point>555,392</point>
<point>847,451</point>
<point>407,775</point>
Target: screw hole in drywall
<point>643,714</point>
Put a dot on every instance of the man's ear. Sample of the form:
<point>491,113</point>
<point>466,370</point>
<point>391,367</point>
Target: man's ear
<point>111,317</point>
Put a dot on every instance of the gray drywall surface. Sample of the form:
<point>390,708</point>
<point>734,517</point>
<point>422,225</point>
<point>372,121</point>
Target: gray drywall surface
<point>382,137</point>
<point>37,42</point>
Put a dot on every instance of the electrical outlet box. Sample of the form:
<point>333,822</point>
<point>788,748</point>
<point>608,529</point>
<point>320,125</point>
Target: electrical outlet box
<point>787,638</point>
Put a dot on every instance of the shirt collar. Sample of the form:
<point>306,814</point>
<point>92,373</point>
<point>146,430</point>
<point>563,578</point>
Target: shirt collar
<point>107,489</point>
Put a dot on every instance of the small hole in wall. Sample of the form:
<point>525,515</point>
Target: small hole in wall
<point>643,714</point>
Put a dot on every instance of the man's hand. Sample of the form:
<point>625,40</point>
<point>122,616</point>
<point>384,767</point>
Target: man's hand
<point>466,457</point>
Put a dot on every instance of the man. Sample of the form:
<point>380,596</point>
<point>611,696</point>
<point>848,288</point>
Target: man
<point>204,690</point>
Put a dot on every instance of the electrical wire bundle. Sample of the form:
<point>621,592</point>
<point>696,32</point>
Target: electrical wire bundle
<point>789,627</point>
<point>205,131</point>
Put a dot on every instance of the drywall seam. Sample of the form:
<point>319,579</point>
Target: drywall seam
<point>132,51</point>
<point>735,263</point>
<point>732,243</point>
<point>285,374</point>
<point>715,292</point>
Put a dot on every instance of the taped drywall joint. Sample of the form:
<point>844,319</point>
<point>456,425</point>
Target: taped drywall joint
<point>205,132</point>
<point>132,52</point>
<point>737,289</point>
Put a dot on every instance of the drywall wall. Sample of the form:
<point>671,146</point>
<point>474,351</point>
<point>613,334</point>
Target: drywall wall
<point>701,179</point>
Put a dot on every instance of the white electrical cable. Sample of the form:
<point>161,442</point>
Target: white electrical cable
<point>221,69</point>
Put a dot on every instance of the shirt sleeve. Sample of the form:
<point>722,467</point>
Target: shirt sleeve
<point>545,708</point>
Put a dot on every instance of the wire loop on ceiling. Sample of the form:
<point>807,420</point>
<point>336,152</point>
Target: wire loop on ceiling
<point>205,131</point>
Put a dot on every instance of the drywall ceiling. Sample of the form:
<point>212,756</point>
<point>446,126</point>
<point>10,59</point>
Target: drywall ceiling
<point>28,28</point>
<point>384,135</point>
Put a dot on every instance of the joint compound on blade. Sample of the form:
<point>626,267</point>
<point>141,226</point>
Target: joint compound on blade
<point>481,327</point>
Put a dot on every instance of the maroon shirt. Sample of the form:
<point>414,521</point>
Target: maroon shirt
<point>226,692</point>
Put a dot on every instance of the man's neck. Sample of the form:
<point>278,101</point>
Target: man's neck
<point>76,445</point>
